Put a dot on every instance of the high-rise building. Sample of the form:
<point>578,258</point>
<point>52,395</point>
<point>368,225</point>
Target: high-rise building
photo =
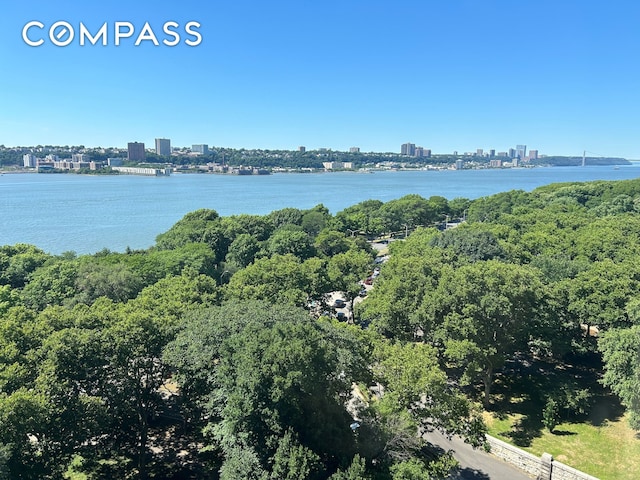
<point>459,164</point>
<point>201,148</point>
<point>419,152</point>
<point>427,152</point>
<point>135,151</point>
<point>302,149</point>
<point>533,154</point>
<point>492,152</point>
<point>29,160</point>
<point>408,149</point>
<point>512,153</point>
<point>479,152</point>
<point>521,151</point>
<point>354,150</point>
<point>163,146</point>
<point>79,157</point>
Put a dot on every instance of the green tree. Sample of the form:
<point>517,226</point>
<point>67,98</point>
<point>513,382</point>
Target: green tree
<point>620,349</point>
<point>51,285</point>
<point>288,241</point>
<point>485,313</point>
<point>551,414</point>
<point>279,279</point>
<point>270,381</point>
<point>243,250</point>
<point>331,242</point>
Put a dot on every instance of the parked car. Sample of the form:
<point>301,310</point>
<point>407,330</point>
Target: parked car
<point>339,303</point>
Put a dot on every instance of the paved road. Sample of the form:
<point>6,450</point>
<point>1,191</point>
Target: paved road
<point>475,464</point>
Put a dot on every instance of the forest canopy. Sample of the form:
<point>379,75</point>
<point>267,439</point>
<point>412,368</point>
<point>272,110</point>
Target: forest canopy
<point>221,352</point>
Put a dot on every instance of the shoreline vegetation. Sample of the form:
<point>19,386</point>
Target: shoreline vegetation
<point>305,344</point>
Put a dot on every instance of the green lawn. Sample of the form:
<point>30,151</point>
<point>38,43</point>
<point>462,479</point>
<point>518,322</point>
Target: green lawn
<point>609,451</point>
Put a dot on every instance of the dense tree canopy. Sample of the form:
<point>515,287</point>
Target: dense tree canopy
<point>212,354</point>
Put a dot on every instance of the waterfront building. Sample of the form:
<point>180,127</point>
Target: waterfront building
<point>408,149</point>
<point>459,164</point>
<point>29,160</point>
<point>337,165</point>
<point>51,158</point>
<point>135,151</point>
<point>201,148</point>
<point>521,151</point>
<point>80,157</point>
<point>163,146</point>
<point>115,162</point>
<point>143,171</point>
<point>495,163</point>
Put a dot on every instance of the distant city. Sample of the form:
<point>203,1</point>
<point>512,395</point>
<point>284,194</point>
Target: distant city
<point>165,159</point>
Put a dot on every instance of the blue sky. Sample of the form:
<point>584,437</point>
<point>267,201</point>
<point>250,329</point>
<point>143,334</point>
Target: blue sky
<point>561,76</point>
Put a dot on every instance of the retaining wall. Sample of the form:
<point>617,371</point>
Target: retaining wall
<point>543,468</point>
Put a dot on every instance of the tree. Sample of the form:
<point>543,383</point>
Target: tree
<point>189,229</point>
<point>598,296</point>
<point>18,262</point>
<point>243,250</point>
<point>356,471</point>
<point>117,282</point>
<point>551,414</point>
<point>409,211</point>
<point>279,279</point>
<point>414,383</point>
<point>271,382</point>
<point>471,243</point>
<point>51,285</point>
<point>483,314</point>
<point>289,241</point>
<point>331,242</point>
<point>620,349</point>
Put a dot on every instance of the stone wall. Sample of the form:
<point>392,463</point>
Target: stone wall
<point>544,468</point>
<point>515,456</point>
<point>565,472</point>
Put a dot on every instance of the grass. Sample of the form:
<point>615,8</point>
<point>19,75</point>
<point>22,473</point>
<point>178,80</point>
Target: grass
<point>609,451</point>
<point>596,440</point>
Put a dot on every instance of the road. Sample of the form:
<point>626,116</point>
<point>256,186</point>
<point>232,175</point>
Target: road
<point>475,464</point>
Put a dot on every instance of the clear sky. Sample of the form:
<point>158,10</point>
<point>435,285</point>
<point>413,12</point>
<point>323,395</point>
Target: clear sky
<point>561,76</point>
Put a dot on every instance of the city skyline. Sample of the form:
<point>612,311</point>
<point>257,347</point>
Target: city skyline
<point>332,75</point>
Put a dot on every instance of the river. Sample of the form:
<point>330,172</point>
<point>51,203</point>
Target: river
<point>86,213</point>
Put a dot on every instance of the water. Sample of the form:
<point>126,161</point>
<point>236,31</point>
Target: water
<point>85,213</point>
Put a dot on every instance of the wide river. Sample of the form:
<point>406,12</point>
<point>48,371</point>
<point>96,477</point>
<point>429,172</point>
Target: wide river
<point>87,213</point>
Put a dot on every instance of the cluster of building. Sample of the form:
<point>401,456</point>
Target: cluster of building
<point>520,152</point>
<point>77,161</point>
<point>411,150</point>
<point>136,151</point>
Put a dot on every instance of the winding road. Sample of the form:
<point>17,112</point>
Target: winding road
<point>475,464</point>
